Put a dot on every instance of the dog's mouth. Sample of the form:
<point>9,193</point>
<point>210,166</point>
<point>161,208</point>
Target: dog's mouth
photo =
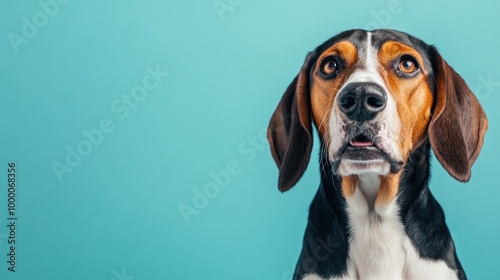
<point>363,154</point>
<point>361,147</point>
<point>361,141</point>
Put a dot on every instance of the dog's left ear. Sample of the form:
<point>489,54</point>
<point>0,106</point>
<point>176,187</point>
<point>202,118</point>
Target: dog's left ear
<point>290,130</point>
<point>458,123</point>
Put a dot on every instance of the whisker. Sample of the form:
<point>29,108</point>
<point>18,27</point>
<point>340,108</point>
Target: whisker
<point>324,142</point>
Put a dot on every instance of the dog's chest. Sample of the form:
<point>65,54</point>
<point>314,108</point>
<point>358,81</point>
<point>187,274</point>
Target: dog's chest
<point>377,243</point>
<point>379,247</point>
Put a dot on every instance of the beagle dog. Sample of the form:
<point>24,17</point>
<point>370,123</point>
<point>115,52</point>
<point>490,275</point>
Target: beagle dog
<point>380,100</point>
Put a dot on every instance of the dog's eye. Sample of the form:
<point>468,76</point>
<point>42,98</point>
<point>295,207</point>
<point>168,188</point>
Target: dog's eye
<point>407,65</point>
<point>329,66</point>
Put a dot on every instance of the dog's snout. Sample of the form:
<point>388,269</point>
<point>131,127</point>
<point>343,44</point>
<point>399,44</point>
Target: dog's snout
<point>362,101</point>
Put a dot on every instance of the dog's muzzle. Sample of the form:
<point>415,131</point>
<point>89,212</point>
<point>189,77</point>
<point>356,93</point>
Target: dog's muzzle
<point>363,150</point>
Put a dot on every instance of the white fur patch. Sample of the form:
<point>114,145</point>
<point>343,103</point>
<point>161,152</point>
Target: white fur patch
<point>360,167</point>
<point>376,244</point>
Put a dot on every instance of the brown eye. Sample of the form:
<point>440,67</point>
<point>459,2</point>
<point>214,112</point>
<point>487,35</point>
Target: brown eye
<point>408,65</point>
<point>329,66</point>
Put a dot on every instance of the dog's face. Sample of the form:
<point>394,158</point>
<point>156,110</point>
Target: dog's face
<point>375,97</point>
<point>371,98</point>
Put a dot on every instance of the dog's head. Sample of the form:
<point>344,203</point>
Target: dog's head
<point>375,97</point>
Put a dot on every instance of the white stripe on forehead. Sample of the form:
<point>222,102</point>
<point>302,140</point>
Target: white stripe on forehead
<point>368,62</point>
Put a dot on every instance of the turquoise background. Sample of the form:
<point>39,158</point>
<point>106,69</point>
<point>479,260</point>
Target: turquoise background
<point>116,215</point>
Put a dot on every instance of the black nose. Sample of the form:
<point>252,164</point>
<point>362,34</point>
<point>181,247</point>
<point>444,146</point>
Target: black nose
<point>362,101</point>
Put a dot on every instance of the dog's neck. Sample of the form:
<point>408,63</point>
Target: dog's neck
<point>352,228</point>
<point>360,225</point>
<point>412,182</point>
<point>369,186</point>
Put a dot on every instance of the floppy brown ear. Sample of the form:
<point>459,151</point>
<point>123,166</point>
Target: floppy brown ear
<point>290,131</point>
<point>458,123</point>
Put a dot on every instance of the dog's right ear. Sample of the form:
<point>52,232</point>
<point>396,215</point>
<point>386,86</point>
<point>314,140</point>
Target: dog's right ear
<point>458,123</point>
<point>290,129</point>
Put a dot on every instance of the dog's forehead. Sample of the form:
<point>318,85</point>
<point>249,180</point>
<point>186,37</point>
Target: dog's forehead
<point>376,38</point>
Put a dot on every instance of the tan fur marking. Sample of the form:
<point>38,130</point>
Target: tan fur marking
<point>413,96</point>
<point>349,185</point>
<point>323,92</point>
<point>389,186</point>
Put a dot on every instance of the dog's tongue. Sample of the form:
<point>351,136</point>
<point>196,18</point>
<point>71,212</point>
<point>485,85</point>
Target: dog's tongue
<point>361,144</point>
